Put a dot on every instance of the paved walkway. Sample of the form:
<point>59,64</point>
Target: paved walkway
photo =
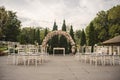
<point>58,68</point>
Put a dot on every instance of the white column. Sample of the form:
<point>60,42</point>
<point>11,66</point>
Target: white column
<point>110,50</point>
<point>64,51</point>
<point>53,51</point>
<point>118,50</point>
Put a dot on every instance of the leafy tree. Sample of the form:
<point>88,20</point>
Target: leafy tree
<point>38,36</point>
<point>114,15</point>
<point>114,30</point>
<point>114,21</point>
<point>26,36</point>
<point>91,35</point>
<point>3,21</point>
<point>83,38</point>
<point>106,24</point>
<point>77,36</point>
<point>9,25</point>
<point>101,26</point>
<point>29,35</point>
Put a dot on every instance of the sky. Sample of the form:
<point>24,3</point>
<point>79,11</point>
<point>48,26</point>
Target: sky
<point>43,13</point>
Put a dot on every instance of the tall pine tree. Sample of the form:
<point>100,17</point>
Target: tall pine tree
<point>53,42</point>
<point>72,35</point>
<point>91,35</point>
<point>83,38</point>
<point>38,36</point>
<point>46,32</point>
<point>55,38</point>
<point>63,41</point>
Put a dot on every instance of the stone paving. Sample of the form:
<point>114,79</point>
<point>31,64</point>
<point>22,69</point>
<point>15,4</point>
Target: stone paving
<point>58,68</point>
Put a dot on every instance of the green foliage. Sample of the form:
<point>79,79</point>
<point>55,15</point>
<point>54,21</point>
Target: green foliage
<point>38,36</point>
<point>29,35</point>
<point>9,25</point>
<point>101,26</point>
<point>72,33</point>
<point>114,30</point>
<point>91,35</point>
<point>114,14</point>
<point>83,38</point>
<point>77,36</point>
<point>46,32</point>
<point>55,38</point>
<point>64,26</point>
<point>114,21</point>
<point>55,27</point>
<point>106,25</point>
<point>53,42</point>
<point>63,41</point>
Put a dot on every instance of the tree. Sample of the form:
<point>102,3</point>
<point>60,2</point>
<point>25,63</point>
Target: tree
<point>106,24</point>
<point>9,25</point>
<point>72,33</point>
<point>83,38</point>
<point>3,21</point>
<point>91,35</point>
<point>46,32</point>
<point>63,41</point>
<point>53,42</point>
<point>26,36</point>
<point>77,36</point>
<point>101,26</point>
<point>114,30</point>
<point>29,35</point>
<point>64,26</point>
<point>114,15</point>
<point>55,38</point>
<point>55,27</point>
<point>114,21</point>
<point>38,36</point>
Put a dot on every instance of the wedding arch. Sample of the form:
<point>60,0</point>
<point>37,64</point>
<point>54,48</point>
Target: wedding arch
<point>57,32</point>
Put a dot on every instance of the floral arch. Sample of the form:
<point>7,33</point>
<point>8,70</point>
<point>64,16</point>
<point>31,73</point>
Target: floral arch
<point>57,32</point>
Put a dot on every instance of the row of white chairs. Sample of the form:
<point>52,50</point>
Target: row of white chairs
<point>27,55</point>
<point>99,59</point>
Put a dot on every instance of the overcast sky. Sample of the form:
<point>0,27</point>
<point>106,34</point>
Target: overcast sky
<point>43,13</point>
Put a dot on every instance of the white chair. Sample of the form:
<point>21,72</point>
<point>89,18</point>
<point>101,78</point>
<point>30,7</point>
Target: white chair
<point>21,56</point>
<point>33,56</point>
<point>116,59</point>
<point>11,55</point>
<point>107,59</point>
